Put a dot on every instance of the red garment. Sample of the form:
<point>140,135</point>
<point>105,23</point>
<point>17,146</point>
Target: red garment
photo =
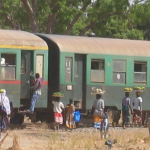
<point>58,118</point>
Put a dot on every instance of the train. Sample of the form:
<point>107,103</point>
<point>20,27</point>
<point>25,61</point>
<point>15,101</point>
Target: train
<point>72,65</point>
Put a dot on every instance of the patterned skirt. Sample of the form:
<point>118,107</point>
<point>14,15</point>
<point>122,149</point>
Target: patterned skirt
<point>97,121</point>
<point>58,118</point>
<point>70,123</point>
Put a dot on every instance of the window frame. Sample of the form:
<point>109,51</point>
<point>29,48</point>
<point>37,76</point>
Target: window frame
<point>118,72</point>
<point>71,69</point>
<point>98,60</point>
<point>9,65</point>
<point>140,62</point>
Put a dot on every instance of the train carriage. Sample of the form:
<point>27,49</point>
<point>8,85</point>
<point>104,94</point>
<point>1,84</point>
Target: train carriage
<point>76,64</point>
<point>22,55</point>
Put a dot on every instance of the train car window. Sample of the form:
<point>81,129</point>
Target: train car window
<point>140,72</point>
<point>39,64</point>
<point>119,71</point>
<point>68,69</point>
<point>23,64</point>
<point>97,71</point>
<point>8,66</point>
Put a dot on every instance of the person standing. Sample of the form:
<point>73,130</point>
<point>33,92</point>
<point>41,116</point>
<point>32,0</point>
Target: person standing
<point>70,108</point>
<point>36,92</point>
<point>137,107</point>
<point>5,109</point>
<point>126,108</point>
<point>58,109</point>
<point>98,110</point>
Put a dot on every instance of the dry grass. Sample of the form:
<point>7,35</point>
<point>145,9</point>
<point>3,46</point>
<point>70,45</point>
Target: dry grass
<point>16,142</point>
<point>82,139</point>
<point>126,140</point>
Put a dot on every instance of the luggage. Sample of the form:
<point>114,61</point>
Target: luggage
<point>77,116</point>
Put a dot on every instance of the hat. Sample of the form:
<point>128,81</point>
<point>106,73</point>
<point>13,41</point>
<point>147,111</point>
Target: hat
<point>97,91</point>
<point>127,90</point>
<point>58,94</point>
<point>139,89</point>
<point>2,90</point>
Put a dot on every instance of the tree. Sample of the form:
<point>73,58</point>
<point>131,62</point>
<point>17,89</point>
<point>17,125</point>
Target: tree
<point>61,17</point>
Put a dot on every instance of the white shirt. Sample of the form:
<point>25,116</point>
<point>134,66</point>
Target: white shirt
<point>58,106</point>
<point>5,101</point>
<point>137,102</point>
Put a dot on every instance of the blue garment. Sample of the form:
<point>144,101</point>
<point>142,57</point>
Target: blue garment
<point>33,101</point>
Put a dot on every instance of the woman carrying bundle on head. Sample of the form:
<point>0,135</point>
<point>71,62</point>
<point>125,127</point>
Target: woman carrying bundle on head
<point>58,108</point>
<point>98,110</point>
<point>126,108</point>
<point>137,108</point>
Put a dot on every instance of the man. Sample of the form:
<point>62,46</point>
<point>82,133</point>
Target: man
<point>36,92</point>
<point>125,110</point>
<point>137,107</point>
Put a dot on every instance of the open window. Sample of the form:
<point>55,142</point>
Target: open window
<point>97,71</point>
<point>8,66</point>
<point>119,71</point>
<point>140,72</point>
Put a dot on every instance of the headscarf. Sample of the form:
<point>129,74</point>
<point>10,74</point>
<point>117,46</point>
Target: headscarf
<point>5,102</point>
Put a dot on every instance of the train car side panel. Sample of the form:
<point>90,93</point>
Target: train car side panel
<point>10,74</point>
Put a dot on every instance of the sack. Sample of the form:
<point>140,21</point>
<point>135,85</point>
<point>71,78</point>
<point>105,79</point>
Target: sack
<point>98,113</point>
<point>77,116</point>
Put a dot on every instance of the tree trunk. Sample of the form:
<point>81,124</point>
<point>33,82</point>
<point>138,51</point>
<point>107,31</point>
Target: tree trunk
<point>31,15</point>
<point>71,24</point>
<point>51,19</point>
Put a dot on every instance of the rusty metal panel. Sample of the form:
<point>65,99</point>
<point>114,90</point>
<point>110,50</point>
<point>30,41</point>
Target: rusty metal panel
<point>21,39</point>
<point>93,45</point>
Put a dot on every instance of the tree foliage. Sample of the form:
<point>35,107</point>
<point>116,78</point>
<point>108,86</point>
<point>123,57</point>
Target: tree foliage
<point>109,18</point>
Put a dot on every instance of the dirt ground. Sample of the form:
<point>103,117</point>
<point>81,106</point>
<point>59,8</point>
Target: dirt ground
<point>41,136</point>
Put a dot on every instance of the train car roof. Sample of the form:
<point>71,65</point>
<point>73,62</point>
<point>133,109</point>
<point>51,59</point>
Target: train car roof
<point>21,40</point>
<point>94,45</point>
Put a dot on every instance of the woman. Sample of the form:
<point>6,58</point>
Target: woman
<point>58,108</point>
<point>98,110</point>
<point>126,108</point>
<point>70,123</point>
<point>137,108</point>
<point>5,109</point>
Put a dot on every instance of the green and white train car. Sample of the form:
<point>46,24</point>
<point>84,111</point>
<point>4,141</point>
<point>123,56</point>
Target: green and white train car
<point>22,54</point>
<point>76,64</point>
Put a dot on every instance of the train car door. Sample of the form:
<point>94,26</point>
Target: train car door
<point>79,81</point>
<point>26,68</point>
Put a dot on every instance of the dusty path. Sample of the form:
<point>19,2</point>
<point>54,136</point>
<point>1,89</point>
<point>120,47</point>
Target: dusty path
<point>39,136</point>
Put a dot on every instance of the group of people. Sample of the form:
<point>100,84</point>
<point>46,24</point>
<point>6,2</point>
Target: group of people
<point>98,107</point>
<point>136,111</point>
<point>59,108</point>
